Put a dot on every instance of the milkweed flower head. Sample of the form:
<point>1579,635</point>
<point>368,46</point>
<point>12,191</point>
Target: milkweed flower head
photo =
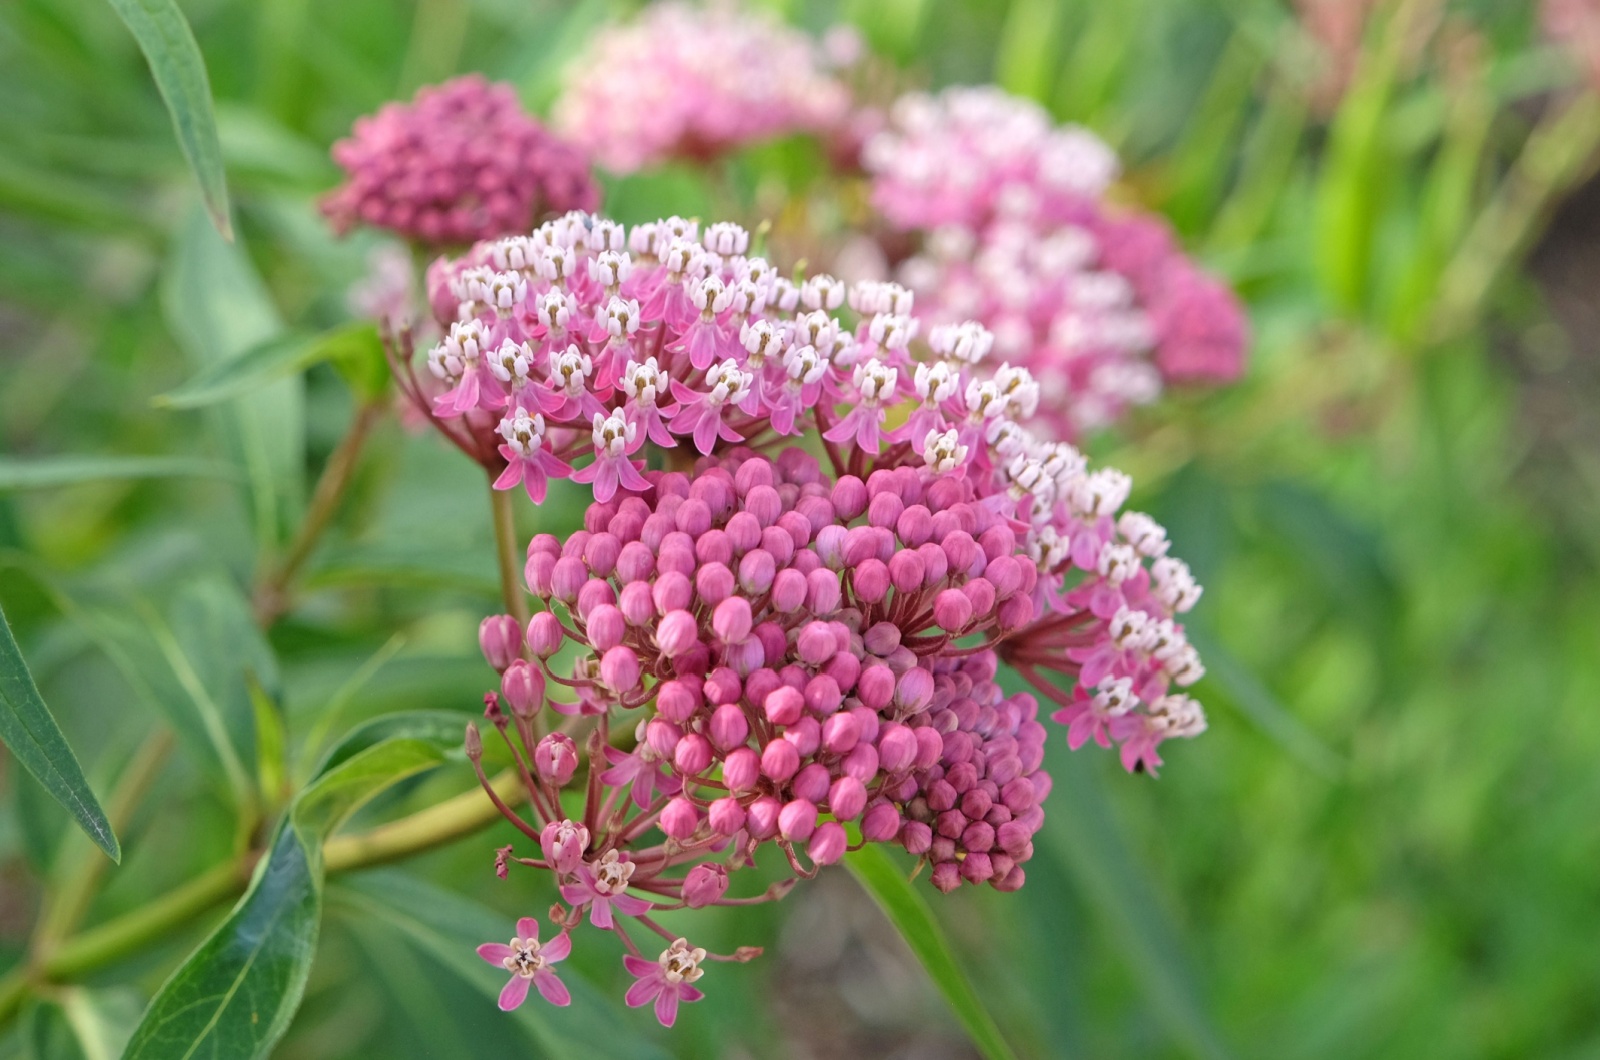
<point>1097,301</point>
<point>694,81</point>
<point>763,655</point>
<point>462,161</point>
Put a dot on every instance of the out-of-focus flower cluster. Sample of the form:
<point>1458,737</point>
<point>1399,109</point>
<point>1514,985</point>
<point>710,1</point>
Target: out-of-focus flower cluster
<point>693,81</point>
<point>1097,300</point>
<point>803,651</point>
<point>461,162</point>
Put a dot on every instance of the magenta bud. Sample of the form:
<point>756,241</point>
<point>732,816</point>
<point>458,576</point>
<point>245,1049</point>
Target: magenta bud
<point>1012,881</point>
<point>539,573</point>
<point>875,686</point>
<point>729,727</point>
<point>568,578</point>
<point>725,816</point>
<point>732,620</point>
<point>774,642</point>
<point>672,592</point>
<point>978,837</point>
<point>885,509</point>
<point>870,580</point>
<point>929,748</point>
<point>870,722</point>
<point>1014,613</point>
<point>823,695</point>
<point>499,637</point>
<point>713,546</point>
<point>544,634</point>
<point>679,819</point>
<point>822,591</point>
<point>914,526</point>
<point>797,820</point>
<point>862,763</point>
<point>946,876</point>
<point>845,669</point>
<point>694,517</point>
<point>827,843</point>
<point>998,541</point>
<point>757,570</point>
<point>563,844</point>
<point>841,733</point>
<point>619,669</point>
<point>662,736</point>
<point>830,545</point>
<point>779,543</point>
<point>917,837</point>
<point>914,691</point>
<point>934,564</point>
<point>692,756</point>
<point>846,798</point>
<point>1003,572</point>
<point>605,627</point>
<point>556,759</point>
<point>522,686</point>
<point>806,735</point>
<point>713,583</point>
<point>906,571</point>
<point>981,593</point>
<point>636,562</point>
<point>881,823</point>
<point>741,770</point>
<point>765,504</point>
<point>815,644</point>
<point>677,633</point>
<point>788,591</point>
<point>952,610</point>
<point>752,473</point>
<point>677,700</point>
<point>744,532</point>
<point>780,760</point>
<point>882,638</point>
<point>1019,796</point>
<point>960,551</point>
<point>601,552</point>
<point>976,867</point>
<point>723,686</point>
<point>897,748</point>
<point>811,782</point>
<point>761,818</point>
<point>635,604</point>
<point>704,884</point>
<point>849,497</point>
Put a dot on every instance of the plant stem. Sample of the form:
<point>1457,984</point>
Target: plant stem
<point>505,539</point>
<point>426,829</point>
<point>66,905</point>
<point>272,595</point>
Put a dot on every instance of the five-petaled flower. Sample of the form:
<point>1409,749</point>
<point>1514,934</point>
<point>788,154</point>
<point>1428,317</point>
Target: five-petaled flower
<point>666,980</point>
<point>529,962</point>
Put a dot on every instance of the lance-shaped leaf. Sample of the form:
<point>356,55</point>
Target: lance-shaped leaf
<point>235,995</point>
<point>889,886</point>
<point>180,73</point>
<point>44,472</point>
<point>274,359</point>
<point>36,742</point>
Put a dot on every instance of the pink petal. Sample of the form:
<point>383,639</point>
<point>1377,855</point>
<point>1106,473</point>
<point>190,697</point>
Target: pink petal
<point>575,894</point>
<point>689,993</point>
<point>600,911</point>
<point>515,993</point>
<point>551,988</point>
<point>528,928</point>
<point>557,948</point>
<point>495,952</point>
<point>705,432</point>
<point>513,472</point>
<point>667,1007</point>
<point>640,993</point>
<point>628,905</point>
<point>638,965</point>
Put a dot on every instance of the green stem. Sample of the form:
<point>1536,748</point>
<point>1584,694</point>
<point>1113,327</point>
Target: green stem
<point>453,819</point>
<point>272,596</point>
<point>505,539</point>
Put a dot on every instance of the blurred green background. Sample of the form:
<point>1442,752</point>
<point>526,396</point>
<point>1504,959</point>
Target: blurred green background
<point>1383,847</point>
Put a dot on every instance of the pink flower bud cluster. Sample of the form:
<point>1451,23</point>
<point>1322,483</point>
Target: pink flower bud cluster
<point>1099,303</point>
<point>461,162</point>
<point>694,81</point>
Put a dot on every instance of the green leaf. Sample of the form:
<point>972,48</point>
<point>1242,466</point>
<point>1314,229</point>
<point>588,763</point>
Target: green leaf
<point>1082,835</point>
<point>217,307</point>
<point>888,885</point>
<point>447,927</point>
<point>82,1024</point>
<point>180,73</point>
<point>441,728</point>
<point>43,472</point>
<point>235,995</point>
<point>36,742</point>
<point>274,359</point>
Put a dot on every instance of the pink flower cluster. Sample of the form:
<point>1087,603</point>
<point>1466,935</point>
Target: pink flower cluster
<point>691,81</point>
<point>803,652</point>
<point>1098,302</point>
<point>461,162</point>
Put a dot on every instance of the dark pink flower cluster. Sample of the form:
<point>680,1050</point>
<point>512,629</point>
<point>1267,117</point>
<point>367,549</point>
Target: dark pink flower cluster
<point>693,81</point>
<point>463,161</point>
<point>1098,302</point>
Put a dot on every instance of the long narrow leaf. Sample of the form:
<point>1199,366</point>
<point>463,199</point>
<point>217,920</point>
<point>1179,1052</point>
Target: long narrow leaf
<point>180,73</point>
<point>909,912</point>
<point>43,472</point>
<point>35,740</point>
<point>269,361</point>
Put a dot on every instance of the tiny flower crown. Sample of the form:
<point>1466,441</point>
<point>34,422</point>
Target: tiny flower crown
<point>771,653</point>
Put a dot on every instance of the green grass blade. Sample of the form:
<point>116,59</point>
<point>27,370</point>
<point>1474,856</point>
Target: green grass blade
<point>44,472</point>
<point>269,361</point>
<point>886,882</point>
<point>36,742</point>
<point>180,73</point>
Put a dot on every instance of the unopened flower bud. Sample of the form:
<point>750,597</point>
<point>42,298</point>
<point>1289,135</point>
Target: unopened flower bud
<point>725,816</point>
<point>705,883</point>
<point>563,844</point>
<point>556,759</point>
<point>761,818</point>
<point>680,819</point>
<point>729,727</point>
<point>522,685</point>
<point>741,770</point>
<point>544,635</point>
<point>677,633</point>
<point>605,627</point>
<point>828,843</point>
<point>846,798</point>
<point>797,820</point>
<point>499,638</point>
<point>917,837</point>
<point>780,760</point>
<point>692,756</point>
<point>619,669</point>
<point>474,742</point>
<point>897,748</point>
<point>732,620</point>
<point>811,783</point>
